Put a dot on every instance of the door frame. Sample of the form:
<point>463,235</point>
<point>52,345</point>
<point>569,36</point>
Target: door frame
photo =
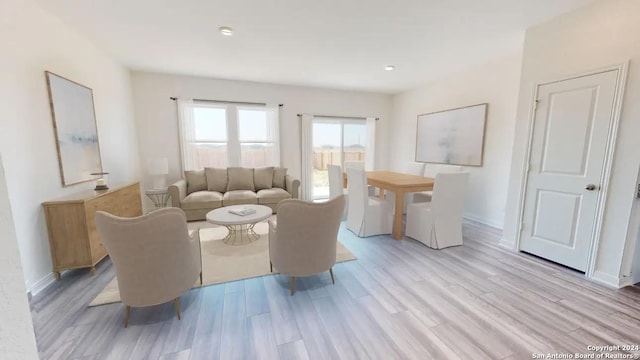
<point>608,162</point>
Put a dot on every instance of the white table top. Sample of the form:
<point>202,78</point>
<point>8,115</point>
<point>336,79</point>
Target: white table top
<point>222,216</point>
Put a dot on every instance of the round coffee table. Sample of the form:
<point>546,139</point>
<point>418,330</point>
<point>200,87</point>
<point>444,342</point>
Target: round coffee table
<point>240,226</point>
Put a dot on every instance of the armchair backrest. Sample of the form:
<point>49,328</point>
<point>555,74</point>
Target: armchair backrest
<point>153,255</point>
<point>335,181</point>
<point>307,235</point>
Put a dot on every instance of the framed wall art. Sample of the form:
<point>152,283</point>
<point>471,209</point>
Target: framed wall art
<point>453,136</point>
<point>74,124</point>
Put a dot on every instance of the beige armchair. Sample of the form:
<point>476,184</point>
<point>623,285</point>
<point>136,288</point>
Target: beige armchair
<point>303,240</point>
<point>156,259</point>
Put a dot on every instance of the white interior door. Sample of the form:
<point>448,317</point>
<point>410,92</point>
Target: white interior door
<point>571,126</point>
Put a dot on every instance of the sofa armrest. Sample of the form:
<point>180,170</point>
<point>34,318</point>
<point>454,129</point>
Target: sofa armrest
<point>178,192</point>
<point>293,186</point>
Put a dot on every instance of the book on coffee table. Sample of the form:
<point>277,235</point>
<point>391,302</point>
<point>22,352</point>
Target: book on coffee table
<point>242,211</point>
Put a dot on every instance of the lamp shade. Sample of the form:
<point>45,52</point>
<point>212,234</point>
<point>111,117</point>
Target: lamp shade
<point>158,166</point>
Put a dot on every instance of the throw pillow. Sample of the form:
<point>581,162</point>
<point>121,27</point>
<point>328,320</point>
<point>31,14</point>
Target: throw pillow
<point>263,178</point>
<point>279,176</point>
<point>196,180</point>
<point>240,179</point>
<point>216,179</point>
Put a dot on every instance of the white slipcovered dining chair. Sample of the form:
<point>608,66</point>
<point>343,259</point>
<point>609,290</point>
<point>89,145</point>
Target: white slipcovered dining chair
<point>366,216</point>
<point>155,258</point>
<point>354,165</point>
<point>336,187</point>
<point>304,237</point>
<point>432,170</point>
<point>360,166</point>
<point>438,224</point>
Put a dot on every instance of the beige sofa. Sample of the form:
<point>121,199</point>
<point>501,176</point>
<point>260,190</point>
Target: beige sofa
<point>204,190</point>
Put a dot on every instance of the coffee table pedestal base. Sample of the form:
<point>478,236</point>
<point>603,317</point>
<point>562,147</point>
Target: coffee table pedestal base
<point>240,234</point>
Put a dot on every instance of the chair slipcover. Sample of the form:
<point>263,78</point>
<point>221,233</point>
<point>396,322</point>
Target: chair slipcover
<point>336,187</point>
<point>438,224</point>
<point>432,170</point>
<point>366,215</point>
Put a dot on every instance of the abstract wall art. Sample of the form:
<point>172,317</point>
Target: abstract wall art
<point>74,124</point>
<point>453,136</point>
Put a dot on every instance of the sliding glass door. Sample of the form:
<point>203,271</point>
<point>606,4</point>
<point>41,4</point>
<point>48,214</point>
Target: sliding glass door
<point>335,141</point>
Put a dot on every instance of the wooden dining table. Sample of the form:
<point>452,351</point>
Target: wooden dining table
<point>399,184</point>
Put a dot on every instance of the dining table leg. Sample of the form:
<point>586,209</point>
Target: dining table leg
<point>397,216</point>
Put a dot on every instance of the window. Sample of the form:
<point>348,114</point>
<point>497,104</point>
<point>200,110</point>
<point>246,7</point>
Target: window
<point>257,144</point>
<point>335,141</point>
<point>223,134</point>
<point>210,146</point>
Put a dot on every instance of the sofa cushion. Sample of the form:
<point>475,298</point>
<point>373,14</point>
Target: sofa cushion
<point>202,200</point>
<point>237,197</point>
<point>216,179</point>
<point>272,196</point>
<point>279,175</point>
<point>240,179</point>
<point>196,180</point>
<point>263,178</point>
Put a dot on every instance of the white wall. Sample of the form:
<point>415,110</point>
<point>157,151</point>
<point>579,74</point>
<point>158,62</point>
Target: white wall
<point>34,41</point>
<point>495,83</point>
<point>156,115</point>
<point>604,33</point>
<point>17,340</point>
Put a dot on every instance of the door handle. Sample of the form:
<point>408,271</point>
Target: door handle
<point>590,187</point>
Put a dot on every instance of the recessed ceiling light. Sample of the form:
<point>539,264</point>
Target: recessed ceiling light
<point>225,30</point>
<point>389,67</point>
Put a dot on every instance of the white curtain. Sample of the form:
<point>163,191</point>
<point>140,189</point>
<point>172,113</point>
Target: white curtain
<point>370,146</point>
<point>273,130</point>
<point>306,144</point>
<point>187,130</point>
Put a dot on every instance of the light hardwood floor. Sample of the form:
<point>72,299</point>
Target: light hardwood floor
<point>400,299</point>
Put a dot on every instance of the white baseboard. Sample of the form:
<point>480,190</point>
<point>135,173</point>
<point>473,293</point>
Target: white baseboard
<point>507,244</point>
<point>41,284</point>
<point>626,281</point>
<point>609,280</point>
<point>484,221</point>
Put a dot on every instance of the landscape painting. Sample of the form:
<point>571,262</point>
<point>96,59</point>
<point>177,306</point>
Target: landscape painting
<point>74,124</point>
<point>452,136</point>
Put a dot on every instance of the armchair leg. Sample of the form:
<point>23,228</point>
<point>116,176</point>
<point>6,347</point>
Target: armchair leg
<point>127,311</point>
<point>293,285</point>
<point>201,278</point>
<point>177,305</point>
<point>333,280</point>
<point>270,266</point>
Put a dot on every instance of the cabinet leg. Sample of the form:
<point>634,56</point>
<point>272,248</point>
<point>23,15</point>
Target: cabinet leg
<point>57,275</point>
<point>93,270</point>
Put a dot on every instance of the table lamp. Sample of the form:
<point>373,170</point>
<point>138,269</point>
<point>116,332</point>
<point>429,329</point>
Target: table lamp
<point>159,168</point>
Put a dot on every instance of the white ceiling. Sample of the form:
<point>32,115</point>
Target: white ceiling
<point>327,43</point>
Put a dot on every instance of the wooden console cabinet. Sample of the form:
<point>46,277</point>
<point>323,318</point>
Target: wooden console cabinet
<point>73,237</point>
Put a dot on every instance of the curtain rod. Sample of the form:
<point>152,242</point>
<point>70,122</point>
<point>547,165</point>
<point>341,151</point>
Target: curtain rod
<point>341,117</point>
<point>225,101</point>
